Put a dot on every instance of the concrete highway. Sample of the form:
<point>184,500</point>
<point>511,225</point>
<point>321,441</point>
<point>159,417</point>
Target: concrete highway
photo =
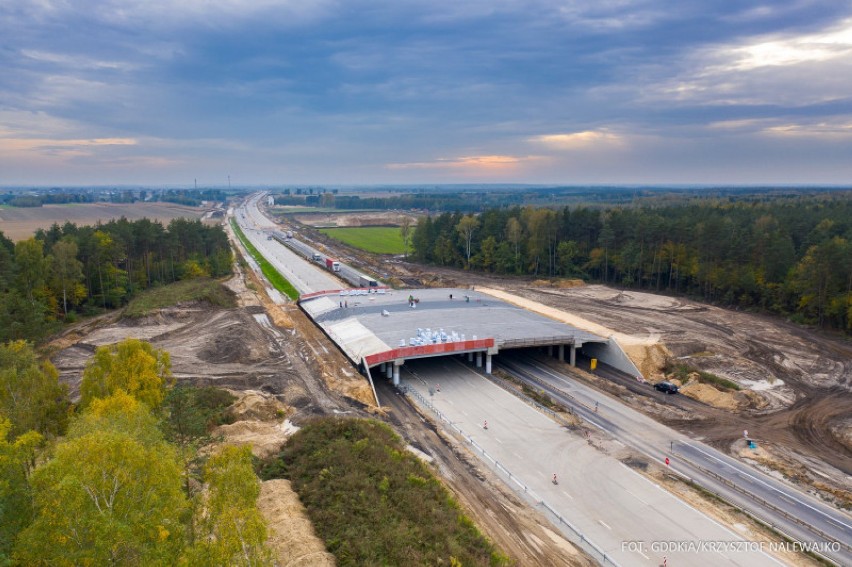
<point>791,511</point>
<point>627,516</point>
<point>305,276</point>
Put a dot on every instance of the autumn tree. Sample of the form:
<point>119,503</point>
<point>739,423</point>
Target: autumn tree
<point>66,277</point>
<point>466,227</point>
<point>232,531</point>
<point>30,393</point>
<point>133,366</point>
<point>16,462</point>
<point>111,494</point>
<point>514,234</point>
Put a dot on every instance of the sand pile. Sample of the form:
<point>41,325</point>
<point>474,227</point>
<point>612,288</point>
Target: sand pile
<point>265,438</point>
<point>291,534</point>
<point>254,405</point>
<point>709,395</point>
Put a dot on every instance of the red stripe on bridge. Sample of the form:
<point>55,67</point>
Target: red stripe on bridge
<point>428,350</point>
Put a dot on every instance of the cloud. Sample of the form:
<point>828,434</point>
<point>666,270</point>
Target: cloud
<point>578,140</point>
<point>28,144</point>
<point>483,163</point>
<point>824,46</point>
<point>819,129</point>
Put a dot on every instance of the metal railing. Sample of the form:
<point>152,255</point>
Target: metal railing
<point>583,540</point>
<point>761,501</point>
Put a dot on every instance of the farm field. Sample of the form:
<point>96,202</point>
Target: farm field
<point>375,239</point>
<point>20,223</point>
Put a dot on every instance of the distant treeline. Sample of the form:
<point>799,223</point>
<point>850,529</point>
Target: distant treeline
<point>464,202</point>
<point>69,269</point>
<point>791,256</point>
<point>14,200</point>
<point>189,197</point>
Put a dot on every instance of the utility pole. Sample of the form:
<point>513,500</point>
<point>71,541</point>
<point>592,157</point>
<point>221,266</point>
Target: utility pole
<point>229,183</point>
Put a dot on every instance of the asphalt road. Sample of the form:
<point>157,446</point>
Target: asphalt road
<point>793,512</point>
<point>624,514</point>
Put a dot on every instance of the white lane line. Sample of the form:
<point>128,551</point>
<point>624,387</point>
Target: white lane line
<point>464,412</point>
<point>568,495</point>
<point>642,554</point>
<point>451,401</point>
<point>637,498</point>
<point>601,522</point>
<point>498,440</point>
<point>517,455</point>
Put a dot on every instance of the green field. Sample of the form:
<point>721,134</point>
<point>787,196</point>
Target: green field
<point>375,239</point>
<point>278,281</point>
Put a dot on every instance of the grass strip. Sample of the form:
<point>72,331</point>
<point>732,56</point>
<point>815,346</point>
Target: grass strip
<point>373,502</point>
<point>374,239</point>
<point>199,289</point>
<point>274,277</point>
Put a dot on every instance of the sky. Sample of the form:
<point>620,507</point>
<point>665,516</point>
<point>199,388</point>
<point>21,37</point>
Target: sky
<point>284,92</point>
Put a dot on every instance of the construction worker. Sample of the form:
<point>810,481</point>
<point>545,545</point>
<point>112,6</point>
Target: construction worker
<point>554,479</point>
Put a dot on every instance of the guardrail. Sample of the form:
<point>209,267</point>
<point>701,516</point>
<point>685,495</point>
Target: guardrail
<point>725,481</point>
<point>762,501</point>
<point>583,540</point>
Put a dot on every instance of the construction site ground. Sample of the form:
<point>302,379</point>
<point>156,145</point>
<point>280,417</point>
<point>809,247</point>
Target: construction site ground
<point>262,350</point>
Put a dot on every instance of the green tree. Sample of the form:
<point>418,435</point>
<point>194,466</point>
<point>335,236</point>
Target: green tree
<point>232,531</point>
<point>515,234</point>
<point>32,268</point>
<point>405,232</point>
<point>66,276</point>
<point>108,497</point>
<point>16,462</point>
<point>30,393</point>
<point>131,365</point>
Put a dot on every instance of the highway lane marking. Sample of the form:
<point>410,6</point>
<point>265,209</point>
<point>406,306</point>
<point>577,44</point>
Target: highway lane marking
<point>642,554</point>
<point>517,455</point>
<point>568,495</point>
<point>817,510</point>
<point>637,498</point>
<point>498,440</point>
<point>601,522</point>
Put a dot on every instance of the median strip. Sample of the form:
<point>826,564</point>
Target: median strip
<point>274,277</point>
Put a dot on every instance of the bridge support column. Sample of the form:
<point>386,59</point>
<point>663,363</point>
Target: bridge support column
<point>572,355</point>
<point>549,350</point>
<point>396,373</point>
<point>470,357</point>
<point>389,371</point>
<point>479,360</point>
<point>383,367</point>
<point>488,364</point>
<point>561,353</point>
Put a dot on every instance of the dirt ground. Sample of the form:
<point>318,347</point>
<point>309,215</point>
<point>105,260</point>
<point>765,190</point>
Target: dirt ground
<point>378,218</point>
<point>20,223</point>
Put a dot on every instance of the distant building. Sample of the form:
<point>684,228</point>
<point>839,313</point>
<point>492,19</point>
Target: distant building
<point>270,200</point>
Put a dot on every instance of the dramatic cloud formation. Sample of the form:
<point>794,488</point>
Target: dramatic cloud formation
<point>540,91</point>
